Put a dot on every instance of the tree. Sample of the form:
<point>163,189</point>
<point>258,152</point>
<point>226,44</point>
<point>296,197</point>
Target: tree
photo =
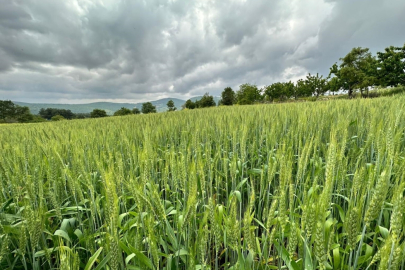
<point>228,97</point>
<point>248,94</point>
<point>274,90</point>
<point>10,112</point>
<point>391,66</point>
<point>189,104</point>
<point>148,107</point>
<point>7,109</point>
<point>23,114</point>
<point>58,118</point>
<point>280,90</point>
<point>45,113</point>
<point>136,111</point>
<point>170,106</point>
<point>316,84</point>
<point>302,89</point>
<point>97,113</point>
<point>288,90</point>
<point>48,113</point>
<point>356,71</point>
<point>206,101</point>
<point>123,111</point>
<point>82,115</point>
<point>333,85</point>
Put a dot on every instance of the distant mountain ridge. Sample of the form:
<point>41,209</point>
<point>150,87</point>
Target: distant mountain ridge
<point>109,107</point>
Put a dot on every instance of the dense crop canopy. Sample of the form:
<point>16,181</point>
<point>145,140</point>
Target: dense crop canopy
<point>305,185</point>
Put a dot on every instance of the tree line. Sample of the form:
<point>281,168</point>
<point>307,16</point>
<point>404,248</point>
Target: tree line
<point>12,113</point>
<point>358,71</point>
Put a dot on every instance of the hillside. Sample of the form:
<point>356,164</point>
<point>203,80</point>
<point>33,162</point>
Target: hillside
<point>109,107</point>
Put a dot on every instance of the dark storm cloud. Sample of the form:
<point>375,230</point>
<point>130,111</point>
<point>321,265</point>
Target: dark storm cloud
<point>82,51</point>
<point>373,24</point>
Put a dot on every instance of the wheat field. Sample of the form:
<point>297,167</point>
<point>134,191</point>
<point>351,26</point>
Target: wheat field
<point>285,186</point>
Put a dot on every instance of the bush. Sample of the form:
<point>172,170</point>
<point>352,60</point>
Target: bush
<point>58,118</point>
<point>123,111</point>
<point>38,119</point>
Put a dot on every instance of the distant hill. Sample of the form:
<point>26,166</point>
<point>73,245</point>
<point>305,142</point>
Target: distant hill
<point>109,107</point>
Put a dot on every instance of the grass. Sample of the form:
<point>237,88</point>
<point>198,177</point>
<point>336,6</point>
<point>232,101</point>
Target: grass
<point>287,186</point>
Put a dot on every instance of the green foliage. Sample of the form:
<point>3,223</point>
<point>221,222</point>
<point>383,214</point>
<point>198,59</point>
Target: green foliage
<point>170,106</point>
<point>248,94</point>
<point>391,64</point>
<point>58,118</point>
<point>189,104</point>
<point>286,186</point>
<point>227,97</point>
<point>316,84</point>
<point>302,89</point>
<point>281,91</point>
<point>7,109</point>
<point>136,111</point>
<point>97,113</point>
<point>333,85</point>
<point>148,107</point>
<point>37,119</point>
<point>48,113</point>
<point>357,70</point>
<point>123,111</point>
<point>82,115</point>
<point>23,114</point>
<point>206,101</point>
<point>10,113</point>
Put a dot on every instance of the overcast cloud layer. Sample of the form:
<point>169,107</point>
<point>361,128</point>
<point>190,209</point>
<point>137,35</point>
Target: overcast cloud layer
<point>78,51</point>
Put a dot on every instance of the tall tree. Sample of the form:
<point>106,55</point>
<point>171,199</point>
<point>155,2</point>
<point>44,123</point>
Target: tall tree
<point>248,94</point>
<point>228,97</point>
<point>274,91</point>
<point>391,65</point>
<point>148,107</point>
<point>189,104</point>
<point>206,101</point>
<point>97,113</point>
<point>9,112</point>
<point>170,106</point>
<point>356,71</point>
<point>136,111</point>
<point>280,90</point>
<point>288,90</point>
<point>7,109</point>
<point>23,114</point>
<point>302,89</point>
<point>316,84</point>
<point>333,85</point>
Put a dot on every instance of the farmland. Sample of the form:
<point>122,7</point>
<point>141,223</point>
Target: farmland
<point>284,186</point>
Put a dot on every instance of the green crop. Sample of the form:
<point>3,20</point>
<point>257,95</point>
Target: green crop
<point>284,186</point>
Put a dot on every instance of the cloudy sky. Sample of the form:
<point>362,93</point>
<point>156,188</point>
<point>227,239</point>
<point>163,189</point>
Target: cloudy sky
<point>78,51</point>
